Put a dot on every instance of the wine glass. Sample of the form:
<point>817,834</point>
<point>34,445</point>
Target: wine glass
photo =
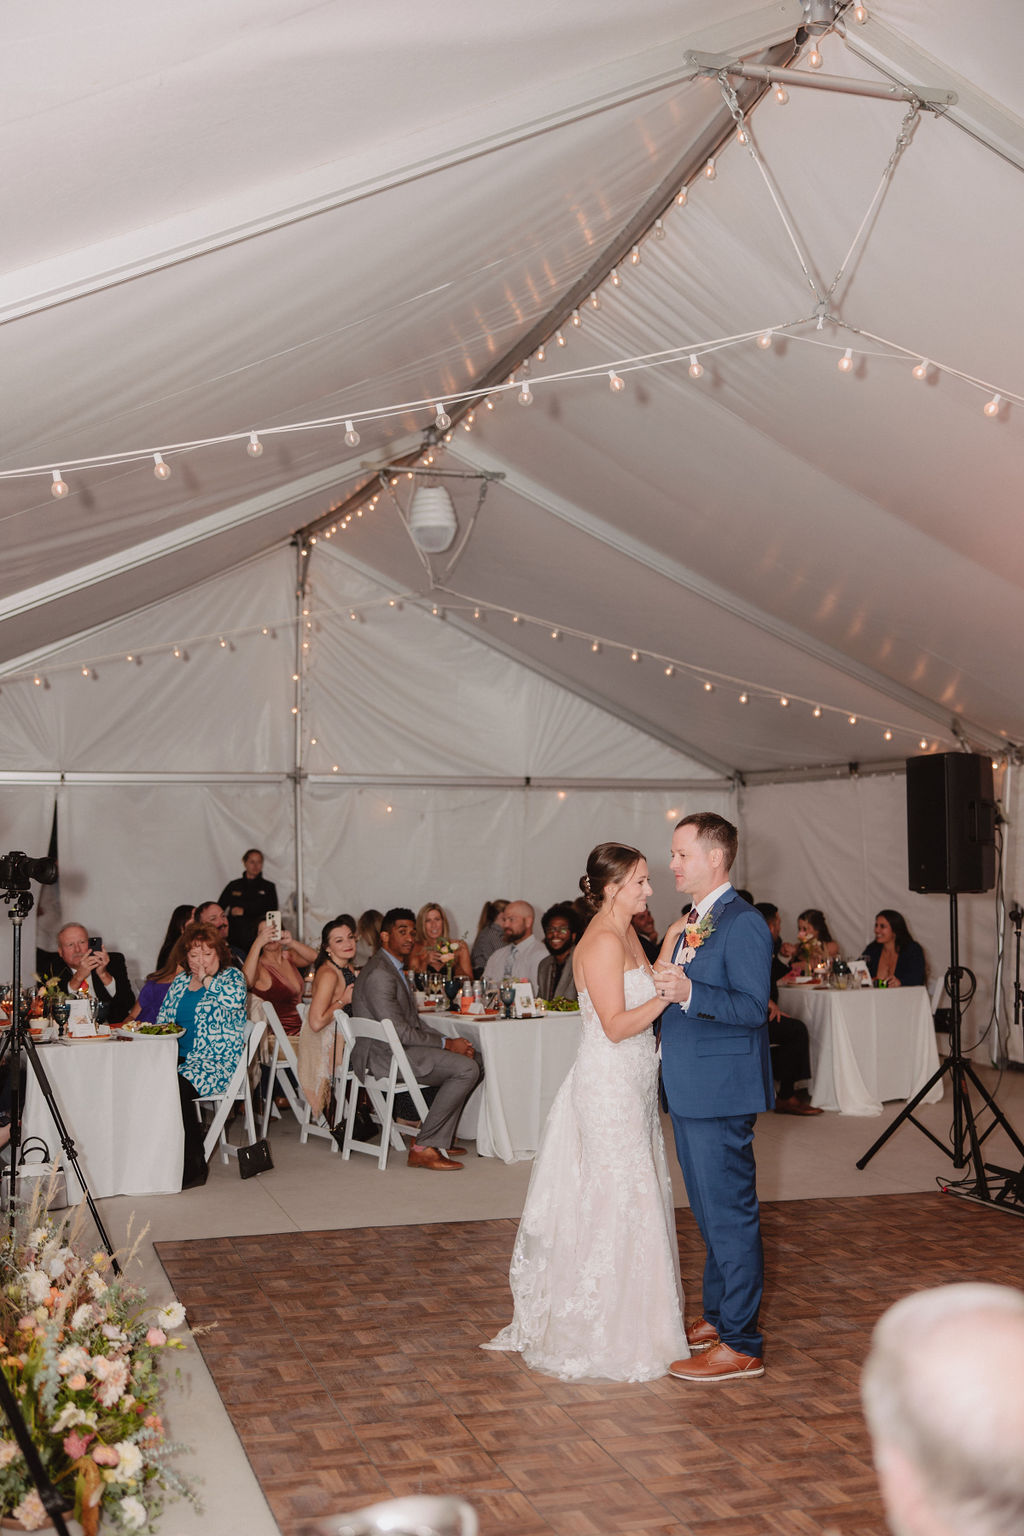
<point>508,995</point>
<point>452,989</point>
<point>60,1012</point>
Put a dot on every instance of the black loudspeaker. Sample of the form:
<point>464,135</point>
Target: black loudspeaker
<point>951,823</point>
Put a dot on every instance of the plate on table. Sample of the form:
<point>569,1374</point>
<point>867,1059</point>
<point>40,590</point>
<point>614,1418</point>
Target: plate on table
<point>87,1039</point>
<point>158,1032</point>
<point>800,981</point>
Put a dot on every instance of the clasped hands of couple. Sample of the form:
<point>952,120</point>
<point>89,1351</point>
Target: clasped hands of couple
<point>671,981</point>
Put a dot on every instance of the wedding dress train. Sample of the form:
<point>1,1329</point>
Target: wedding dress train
<point>595,1269</point>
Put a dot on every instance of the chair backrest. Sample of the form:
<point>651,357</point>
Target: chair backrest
<point>402,1073</point>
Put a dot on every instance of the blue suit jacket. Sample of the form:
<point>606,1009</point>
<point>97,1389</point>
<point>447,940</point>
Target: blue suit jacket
<point>714,1057</point>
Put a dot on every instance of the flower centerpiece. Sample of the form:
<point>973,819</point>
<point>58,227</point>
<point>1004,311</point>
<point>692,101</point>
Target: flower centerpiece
<point>82,1352</point>
<point>448,949</point>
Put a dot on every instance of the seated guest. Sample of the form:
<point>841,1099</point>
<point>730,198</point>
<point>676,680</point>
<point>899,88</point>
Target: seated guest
<point>787,1038</point>
<point>271,973</point>
<point>213,913</point>
<point>554,974</point>
<point>814,943</point>
<point>146,1008</point>
<point>647,933</point>
<point>100,972</point>
<point>521,953</point>
<point>367,936</point>
<point>247,900</point>
<point>207,1001</point>
<point>894,956</point>
<point>318,1048</point>
<point>489,936</point>
<point>179,918</point>
<point>432,931</point>
<point>381,992</point>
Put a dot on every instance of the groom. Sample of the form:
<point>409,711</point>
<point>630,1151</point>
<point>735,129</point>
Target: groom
<point>717,1075</point>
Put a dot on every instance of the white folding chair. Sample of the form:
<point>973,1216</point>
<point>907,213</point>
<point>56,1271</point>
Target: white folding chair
<point>238,1090</point>
<point>341,1075</point>
<point>381,1091</point>
<point>283,1058</point>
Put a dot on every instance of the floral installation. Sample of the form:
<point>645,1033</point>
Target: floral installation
<point>694,935</point>
<point>81,1352</point>
<point>448,949</point>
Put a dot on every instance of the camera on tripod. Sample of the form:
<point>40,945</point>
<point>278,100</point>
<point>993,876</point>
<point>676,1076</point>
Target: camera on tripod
<point>17,869</point>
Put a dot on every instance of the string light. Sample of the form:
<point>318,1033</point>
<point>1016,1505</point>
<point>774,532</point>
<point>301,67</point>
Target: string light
<point>634,655</point>
<point>559,341</point>
<point>709,687</point>
<point>670,671</point>
<point>852,719</point>
<point>923,744</point>
<point>784,702</point>
<point>577,318</point>
<point>887,735</point>
<point>389,809</point>
<point>744,698</point>
<point>681,197</point>
<point>616,280</point>
<point>85,671</point>
<point>516,619</point>
<point>595,302</point>
<point>814,58</point>
<point>816,711</point>
<point>920,371</point>
<point>351,436</point>
<point>525,395</point>
<point>595,646</point>
<point>860,14</point>
<point>781,95</point>
<point>696,367</point>
<point>556,634</point>
<point>845,363</point>
<point>254,447</point>
<point>742,136</point>
<point>659,229</point>
<point>59,487</point>
<point>161,470</point>
<point>442,421</point>
<point>38,682</point>
<point>992,407</point>
<point>764,341</point>
<point>710,170</point>
<point>634,256</point>
<point>616,384</point>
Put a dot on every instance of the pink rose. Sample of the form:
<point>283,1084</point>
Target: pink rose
<point>27,1324</point>
<point>105,1456</point>
<point>76,1445</point>
<point>156,1336</point>
<point>77,1382</point>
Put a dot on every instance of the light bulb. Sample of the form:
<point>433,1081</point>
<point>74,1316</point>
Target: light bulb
<point>696,367</point>
<point>781,95</point>
<point>442,421</point>
<point>541,354</point>
<point>351,436</point>
<point>616,280</point>
<point>595,302</point>
<point>389,809</point>
<point>845,363</point>
<point>525,397</point>
<point>681,197</point>
<point>85,671</point>
<point>634,256</point>
<point>335,768</point>
<point>560,340</point>
<point>129,657</point>
<point>860,14</point>
<point>312,741</point>
<point>222,642</point>
<point>670,671</point>
<point>471,414</point>
<point>742,136</point>
<point>295,709</point>
<point>887,735</point>
<point>476,613</point>
<point>38,682</point>
<point>58,488</point>
<point>709,170</point>
<point>784,702</point>
<point>556,634</point>
<point>852,719</point>
<point>595,646</point>
<point>816,711</point>
<point>634,655</point>
<point>814,58</point>
<point>920,370</point>
<point>577,319</point>
<point>659,229</point>
<point>992,407</point>
<point>489,403</point>
<point>561,794</point>
<point>254,447</point>
<point>744,698</point>
<point>764,341</point>
<point>922,744</point>
<point>176,653</point>
<point>161,470</point>
<point>616,384</point>
<point>709,687</point>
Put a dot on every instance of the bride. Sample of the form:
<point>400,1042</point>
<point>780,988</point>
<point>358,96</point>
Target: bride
<point>595,1269</point>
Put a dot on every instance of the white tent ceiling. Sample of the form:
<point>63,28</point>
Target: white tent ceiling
<point>253,215</point>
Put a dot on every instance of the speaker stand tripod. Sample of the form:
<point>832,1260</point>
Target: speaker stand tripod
<point>966,1140</point>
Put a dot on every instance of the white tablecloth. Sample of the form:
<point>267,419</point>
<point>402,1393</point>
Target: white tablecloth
<point>867,1045</point>
<point>119,1100</point>
<point>525,1062</point>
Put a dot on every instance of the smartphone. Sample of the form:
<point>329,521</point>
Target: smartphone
<point>95,945</point>
<point>274,919</point>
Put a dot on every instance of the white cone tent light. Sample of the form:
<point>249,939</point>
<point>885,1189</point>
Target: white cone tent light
<point>432,522</point>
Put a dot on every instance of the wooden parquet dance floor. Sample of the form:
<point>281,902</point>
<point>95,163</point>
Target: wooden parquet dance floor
<point>348,1362</point>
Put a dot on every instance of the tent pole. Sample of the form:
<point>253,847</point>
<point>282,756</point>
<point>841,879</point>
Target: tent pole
<point>302,569</point>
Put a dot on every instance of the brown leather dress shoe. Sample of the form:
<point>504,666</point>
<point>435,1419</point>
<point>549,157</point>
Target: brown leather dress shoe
<point>701,1335</point>
<point>719,1363</point>
<point>795,1106</point>
<point>455,1151</point>
<point>431,1157</point>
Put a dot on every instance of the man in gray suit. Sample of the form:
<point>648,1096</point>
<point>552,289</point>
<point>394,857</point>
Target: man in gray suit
<point>382,992</point>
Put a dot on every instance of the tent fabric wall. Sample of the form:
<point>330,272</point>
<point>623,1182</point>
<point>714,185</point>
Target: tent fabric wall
<point>842,846</point>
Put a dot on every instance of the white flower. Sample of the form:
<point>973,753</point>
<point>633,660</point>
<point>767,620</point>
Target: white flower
<point>112,1331</point>
<point>114,1376</point>
<point>130,1463</point>
<point>55,1266</point>
<point>171,1316</point>
<point>72,1359</point>
<point>37,1283</point>
<point>8,1452</point>
<point>37,1237</point>
<point>133,1513</point>
<point>95,1284</point>
<point>31,1512</point>
<point>82,1316</point>
<point>69,1417</point>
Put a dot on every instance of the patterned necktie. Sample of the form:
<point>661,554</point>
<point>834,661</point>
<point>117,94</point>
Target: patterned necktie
<point>691,916</point>
<point>510,968</point>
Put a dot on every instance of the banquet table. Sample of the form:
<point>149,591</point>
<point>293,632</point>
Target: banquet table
<point>119,1100</point>
<point>867,1044</point>
<point>525,1062</point>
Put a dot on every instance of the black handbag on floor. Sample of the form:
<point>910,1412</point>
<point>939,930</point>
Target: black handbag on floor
<point>255,1159</point>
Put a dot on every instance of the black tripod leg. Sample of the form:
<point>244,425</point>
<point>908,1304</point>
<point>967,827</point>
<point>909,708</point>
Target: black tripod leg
<point>53,1502</point>
<point>907,1113</point>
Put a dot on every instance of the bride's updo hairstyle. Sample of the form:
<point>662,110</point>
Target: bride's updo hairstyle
<point>609,864</point>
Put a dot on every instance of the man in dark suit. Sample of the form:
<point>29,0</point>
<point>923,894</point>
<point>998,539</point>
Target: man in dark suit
<point>382,992</point>
<point>717,1076</point>
<point>102,973</point>
<point>787,1038</point>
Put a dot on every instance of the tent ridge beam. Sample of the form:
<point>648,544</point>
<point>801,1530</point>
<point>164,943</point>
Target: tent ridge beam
<point>933,96</point>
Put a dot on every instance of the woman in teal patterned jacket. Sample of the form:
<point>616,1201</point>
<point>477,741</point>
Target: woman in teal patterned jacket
<point>207,1001</point>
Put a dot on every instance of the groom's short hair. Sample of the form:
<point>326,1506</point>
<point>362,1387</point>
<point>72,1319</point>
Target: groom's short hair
<point>712,828</point>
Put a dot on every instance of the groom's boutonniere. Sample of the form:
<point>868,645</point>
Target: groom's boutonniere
<point>694,935</point>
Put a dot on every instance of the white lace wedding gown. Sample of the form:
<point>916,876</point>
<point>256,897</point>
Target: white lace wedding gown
<point>595,1269</point>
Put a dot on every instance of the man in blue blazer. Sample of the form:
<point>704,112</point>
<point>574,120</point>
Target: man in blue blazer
<point>717,1075</point>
